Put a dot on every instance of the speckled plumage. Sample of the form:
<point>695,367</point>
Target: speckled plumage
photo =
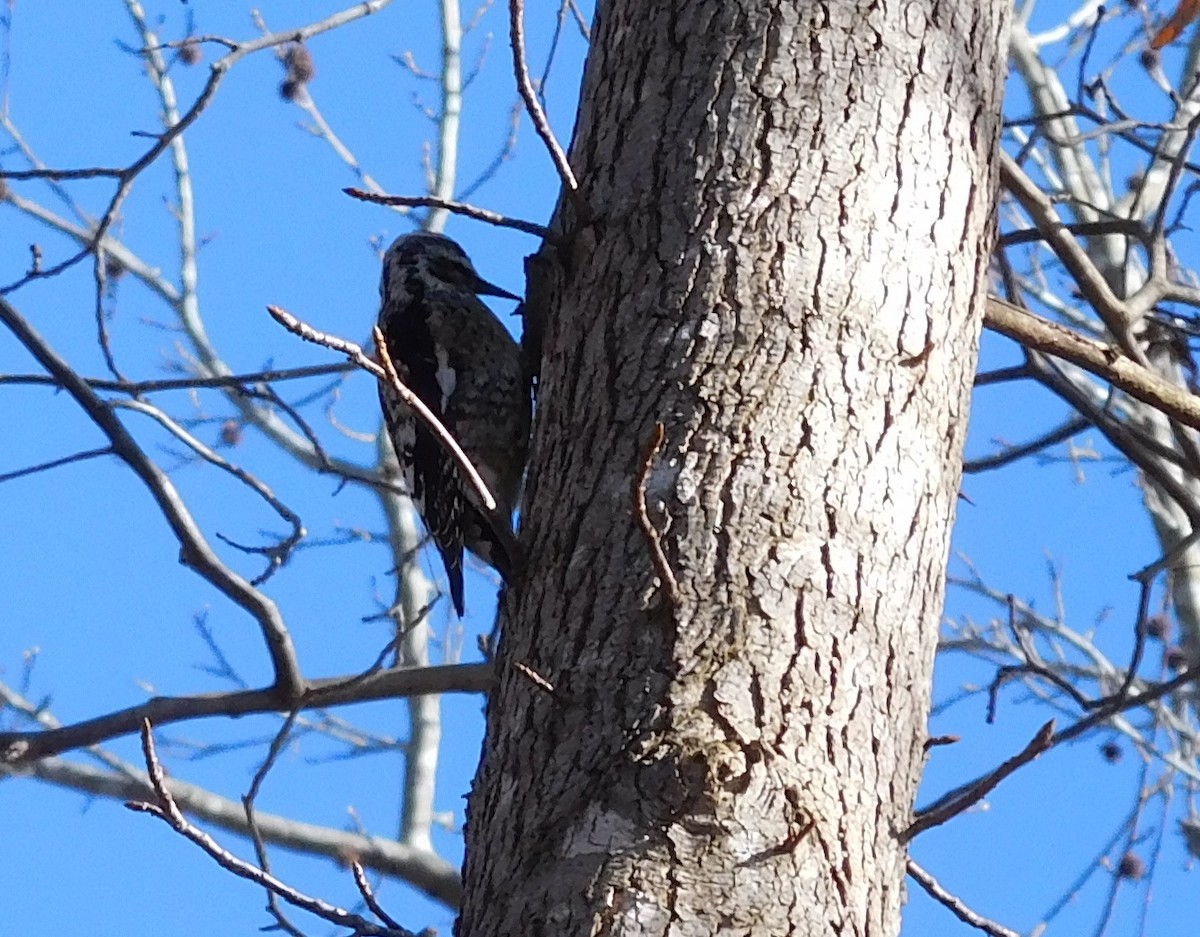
<point>454,354</point>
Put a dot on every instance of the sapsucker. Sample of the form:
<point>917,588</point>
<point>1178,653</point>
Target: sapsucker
<point>453,353</point>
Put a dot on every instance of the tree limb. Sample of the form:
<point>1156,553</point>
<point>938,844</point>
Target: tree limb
<point>1037,334</point>
<point>24,747</point>
<point>195,551</point>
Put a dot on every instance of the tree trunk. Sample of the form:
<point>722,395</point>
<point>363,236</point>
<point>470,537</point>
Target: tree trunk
<point>785,266</point>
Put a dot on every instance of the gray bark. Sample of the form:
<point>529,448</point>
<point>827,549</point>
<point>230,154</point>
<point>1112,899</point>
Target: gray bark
<point>785,266</point>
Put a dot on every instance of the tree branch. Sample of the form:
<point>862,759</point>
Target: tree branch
<point>958,800</point>
<point>516,25</point>
<point>426,871</point>
<point>23,747</point>
<point>458,208</point>
<point>1037,334</point>
<point>195,551</point>
<point>165,808</point>
<point>955,904</point>
<point>1114,313</point>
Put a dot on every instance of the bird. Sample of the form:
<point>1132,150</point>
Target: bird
<point>452,352</point>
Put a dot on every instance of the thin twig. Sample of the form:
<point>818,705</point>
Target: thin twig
<point>167,810</point>
<point>1011,454</point>
<point>182,300</point>
<point>1091,866</point>
<point>516,25</point>
<point>533,676</point>
<point>194,548</point>
<point>368,894</point>
<point>944,808</point>
<point>430,418</point>
<point>359,357</point>
<point>580,21</point>
<point>24,747</point>
<point>458,208</point>
<point>1032,665</point>
<point>955,904</point>
<point>507,149</point>
<point>1124,437</point>
<point>1001,376</point>
<point>426,871</point>
<point>1109,709</point>
<point>1170,558</point>
<point>653,538</point>
<point>1125,226</point>
<point>278,554</point>
<point>277,743</point>
<point>60,175</point>
<point>56,463</point>
<point>248,799</point>
<point>103,338</point>
<point>1146,584</point>
<point>233,381</point>
<point>1115,314</point>
<point>125,177</point>
<point>955,802</point>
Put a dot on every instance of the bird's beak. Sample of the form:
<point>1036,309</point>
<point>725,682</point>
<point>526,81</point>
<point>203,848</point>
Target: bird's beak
<point>484,288</point>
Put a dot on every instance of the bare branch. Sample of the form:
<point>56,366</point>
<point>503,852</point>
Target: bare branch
<point>516,25</point>
<point>195,551</point>
<point>426,871</point>
<point>1011,454</point>
<point>422,868</point>
<point>368,894</point>
<point>56,463</point>
<point>661,565</point>
<point>1109,709</point>
<point>445,178</point>
<point>955,904</point>
<point>1122,436</point>
<point>167,810</point>
<point>960,799</point>
<point>1038,334</point>
<point>1115,314</point>
<point>24,747</point>
<point>321,126</point>
<point>220,68</point>
<point>458,208</point>
<point>238,384</point>
<point>61,175</point>
<point>260,846</point>
<point>277,554</point>
<point>359,357</point>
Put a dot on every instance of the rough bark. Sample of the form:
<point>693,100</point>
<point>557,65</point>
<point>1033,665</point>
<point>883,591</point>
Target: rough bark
<point>785,266</point>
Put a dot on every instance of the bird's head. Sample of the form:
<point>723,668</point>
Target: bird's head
<point>424,262</point>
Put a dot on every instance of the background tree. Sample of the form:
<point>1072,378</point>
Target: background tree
<point>258,217</point>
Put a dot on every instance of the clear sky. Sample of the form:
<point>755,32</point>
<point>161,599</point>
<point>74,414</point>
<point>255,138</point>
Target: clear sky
<point>90,588</point>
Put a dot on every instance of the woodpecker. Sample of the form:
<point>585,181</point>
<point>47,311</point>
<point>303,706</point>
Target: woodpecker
<point>452,352</point>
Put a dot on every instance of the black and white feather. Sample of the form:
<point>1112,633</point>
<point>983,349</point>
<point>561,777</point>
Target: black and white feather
<point>454,354</point>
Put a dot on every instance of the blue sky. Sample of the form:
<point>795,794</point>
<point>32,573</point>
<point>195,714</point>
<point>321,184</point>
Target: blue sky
<point>89,574</point>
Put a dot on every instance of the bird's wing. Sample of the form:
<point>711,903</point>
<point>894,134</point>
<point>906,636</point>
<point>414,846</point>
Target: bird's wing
<point>427,370</point>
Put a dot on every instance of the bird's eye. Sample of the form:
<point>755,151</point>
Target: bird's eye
<point>449,272</point>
